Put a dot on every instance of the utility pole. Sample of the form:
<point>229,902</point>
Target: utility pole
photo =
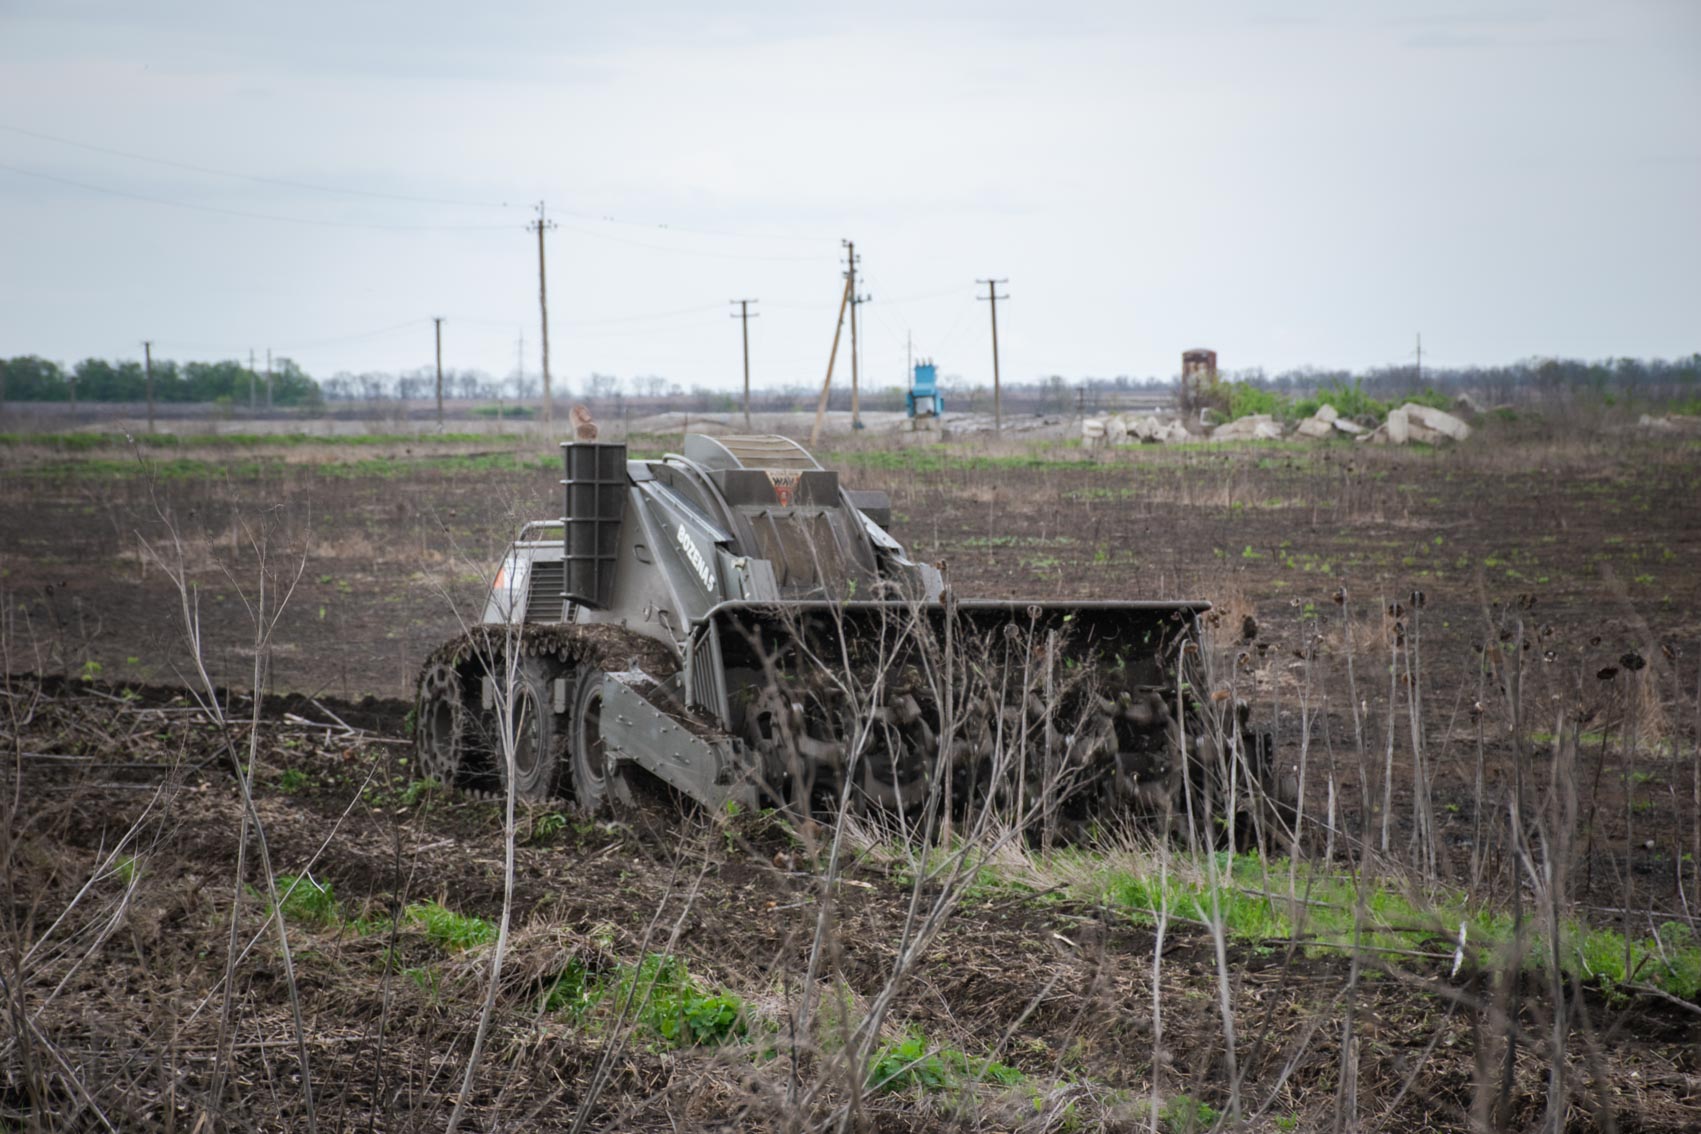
<point>855,302</point>
<point>993,297</point>
<point>540,226</point>
<point>744,317</point>
<point>251,381</point>
<point>148,357</point>
<point>827,383</point>
<point>438,320</point>
<point>268,377</point>
<point>1420,358</point>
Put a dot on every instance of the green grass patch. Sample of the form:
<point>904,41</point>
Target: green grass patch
<point>665,1002</point>
<point>307,902</point>
<point>1184,1114</point>
<point>1321,915</point>
<point>452,930</point>
<point>914,1064</point>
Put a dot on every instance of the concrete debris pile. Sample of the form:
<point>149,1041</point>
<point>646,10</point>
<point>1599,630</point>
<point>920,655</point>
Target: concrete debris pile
<point>1405,425</point>
<point>1412,423</point>
<point>1252,427</point>
<point>1327,422</point>
<point>1671,423</point>
<point>1132,429</point>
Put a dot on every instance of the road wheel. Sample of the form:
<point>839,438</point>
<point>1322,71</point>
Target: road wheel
<point>597,786</point>
<point>537,741</point>
<point>440,724</point>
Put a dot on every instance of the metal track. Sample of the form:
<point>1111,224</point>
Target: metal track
<point>453,672</point>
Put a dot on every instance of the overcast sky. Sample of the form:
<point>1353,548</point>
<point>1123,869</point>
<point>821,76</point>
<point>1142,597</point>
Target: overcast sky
<point>1290,184</point>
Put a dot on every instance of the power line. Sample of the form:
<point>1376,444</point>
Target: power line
<point>644,318</point>
<point>215,171</point>
<point>604,218</point>
<point>902,299</point>
<point>253,177</point>
<point>299,346</point>
<point>688,251</point>
<point>244,214</point>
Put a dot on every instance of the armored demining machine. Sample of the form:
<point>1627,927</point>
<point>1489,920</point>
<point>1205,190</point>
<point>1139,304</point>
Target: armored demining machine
<point>732,625</point>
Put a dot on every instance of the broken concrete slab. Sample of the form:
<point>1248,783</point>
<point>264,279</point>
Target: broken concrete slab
<point>1439,421</point>
<point>1397,426</point>
<point>1125,429</point>
<point>1317,428</point>
<point>1253,427</point>
<point>1326,412</point>
<point>1347,425</point>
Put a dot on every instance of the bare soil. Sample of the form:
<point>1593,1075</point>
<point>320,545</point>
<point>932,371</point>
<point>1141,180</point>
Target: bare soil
<point>1542,564</point>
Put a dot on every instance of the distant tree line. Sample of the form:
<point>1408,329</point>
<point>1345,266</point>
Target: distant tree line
<point>35,379</point>
<point>31,378</point>
<point>1632,379</point>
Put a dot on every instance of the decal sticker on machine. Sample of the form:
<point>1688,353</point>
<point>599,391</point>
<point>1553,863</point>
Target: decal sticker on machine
<point>695,558</point>
<point>785,486</point>
<point>510,585</point>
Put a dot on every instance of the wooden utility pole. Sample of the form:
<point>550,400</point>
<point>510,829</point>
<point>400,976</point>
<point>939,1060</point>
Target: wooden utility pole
<point>540,226</point>
<point>438,320</point>
<point>827,384</point>
<point>148,362</point>
<point>993,297</point>
<point>855,302</point>
<point>268,377</point>
<point>744,317</point>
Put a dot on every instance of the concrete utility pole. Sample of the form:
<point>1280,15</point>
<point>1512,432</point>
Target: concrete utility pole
<point>855,302</point>
<point>997,392</point>
<point>268,377</point>
<point>540,226</point>
<point>1420,358</point>
<point>438,320</point>
<point>250,381</point>
<point>148,361</point>
<point>744,317</point>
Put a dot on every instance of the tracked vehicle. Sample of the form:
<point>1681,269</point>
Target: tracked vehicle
<point>731,624</point>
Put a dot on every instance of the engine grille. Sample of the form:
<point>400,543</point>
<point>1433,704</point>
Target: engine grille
<point>543,594</point>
